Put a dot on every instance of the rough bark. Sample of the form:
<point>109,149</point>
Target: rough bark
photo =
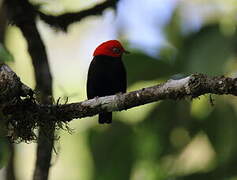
<point>31,114</point>
<point>191,86</point>
<point>11,87</point>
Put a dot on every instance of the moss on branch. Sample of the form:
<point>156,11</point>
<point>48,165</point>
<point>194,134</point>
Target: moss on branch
<point>22,114</point>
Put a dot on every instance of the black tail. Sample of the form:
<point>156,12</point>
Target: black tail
<point>105,118</point>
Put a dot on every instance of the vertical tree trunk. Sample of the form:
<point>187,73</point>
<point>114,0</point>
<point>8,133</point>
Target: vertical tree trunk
<point>10,174</point>
<point>43,77</point>
<point>23,14</point>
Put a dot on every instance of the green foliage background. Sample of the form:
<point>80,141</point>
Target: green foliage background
<point>188,139</point>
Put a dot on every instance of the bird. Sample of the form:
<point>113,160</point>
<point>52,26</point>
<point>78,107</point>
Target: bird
<point>107,74</point>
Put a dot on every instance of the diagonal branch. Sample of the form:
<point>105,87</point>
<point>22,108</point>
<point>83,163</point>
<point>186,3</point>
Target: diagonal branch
<point>64,20</point>
<point>191,86</point>
<point>26,114</point>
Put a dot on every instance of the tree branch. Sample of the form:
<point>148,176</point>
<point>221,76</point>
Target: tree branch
<point>10,86</point>
<point>64,20</point>
<point>28,114</point>
<point>191,86</point>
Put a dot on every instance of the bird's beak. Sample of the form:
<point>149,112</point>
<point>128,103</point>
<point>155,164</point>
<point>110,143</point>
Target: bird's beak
<point>126,52</point>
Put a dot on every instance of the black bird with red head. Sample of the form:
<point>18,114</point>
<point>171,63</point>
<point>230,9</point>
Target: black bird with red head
<point>107,74</point>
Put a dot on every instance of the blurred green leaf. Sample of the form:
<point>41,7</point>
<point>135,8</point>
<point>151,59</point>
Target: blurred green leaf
<point>5,55</point>
<point>206,51</point>
<point>173,30</point>
<point>112,150</point>
<point>4,152</point>
<point>141,67</point>
<point>152,140</point>
<point>209,51</point>
<point>221,128</point>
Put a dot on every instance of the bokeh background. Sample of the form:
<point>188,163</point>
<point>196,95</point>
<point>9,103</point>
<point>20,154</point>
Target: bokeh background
<point>188,139</point>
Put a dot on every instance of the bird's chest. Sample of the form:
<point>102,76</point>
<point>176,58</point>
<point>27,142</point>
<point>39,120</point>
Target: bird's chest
<point>106,76</point>
<point>110,71</point>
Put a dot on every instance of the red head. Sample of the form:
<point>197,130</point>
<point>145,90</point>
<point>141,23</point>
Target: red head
<point>110,48</point>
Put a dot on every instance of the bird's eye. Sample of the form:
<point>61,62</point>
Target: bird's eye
<point>116,50</point>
